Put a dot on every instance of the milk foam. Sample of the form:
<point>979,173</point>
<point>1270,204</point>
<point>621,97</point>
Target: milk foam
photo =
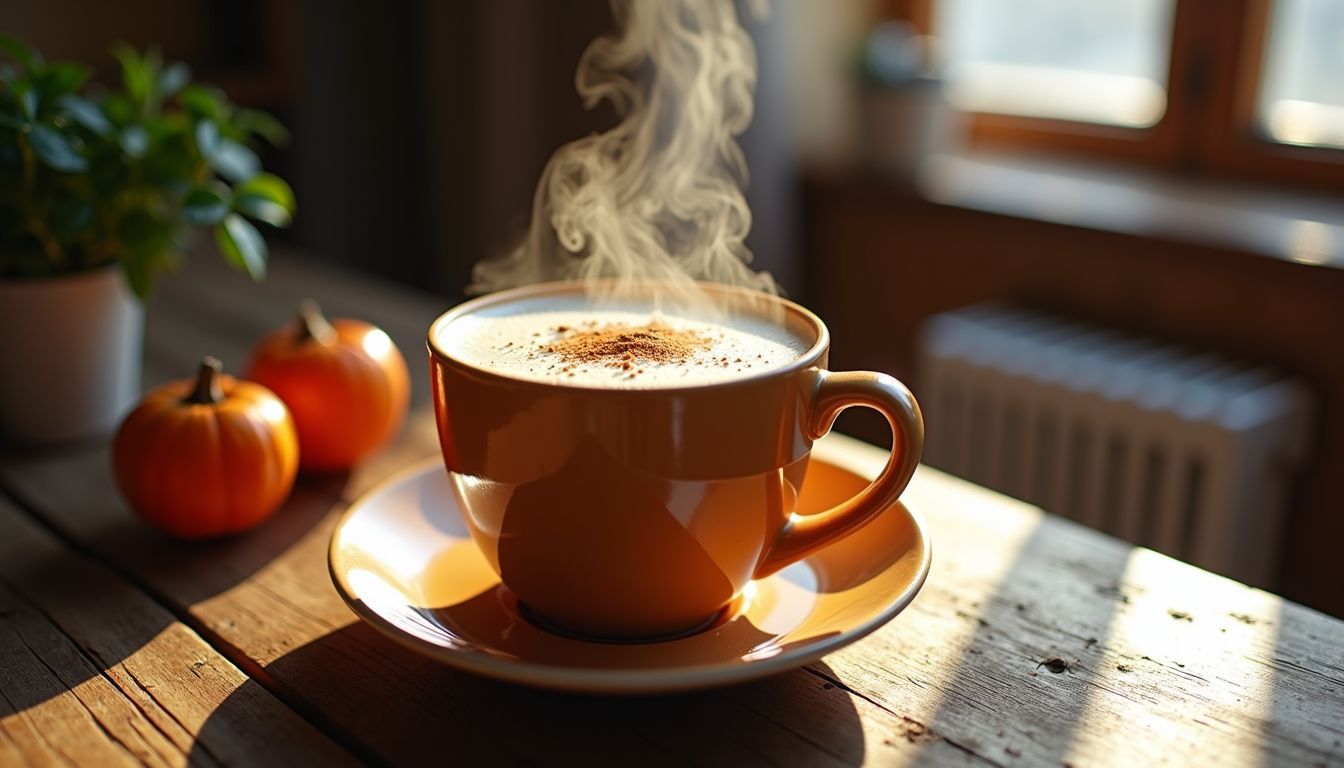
<point>512,340</point>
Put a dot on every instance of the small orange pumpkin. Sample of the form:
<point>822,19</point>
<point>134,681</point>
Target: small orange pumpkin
<point>207,458</point>
<point>344,380</point>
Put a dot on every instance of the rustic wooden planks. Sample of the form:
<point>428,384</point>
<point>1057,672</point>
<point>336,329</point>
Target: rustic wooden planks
<point>1058,644</point>
<point>1157,660</point>
<point>94,672</point>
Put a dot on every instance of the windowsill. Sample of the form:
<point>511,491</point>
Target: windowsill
<point>1295,227</point>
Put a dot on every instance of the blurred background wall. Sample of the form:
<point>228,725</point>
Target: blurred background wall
<point>1168,169</point>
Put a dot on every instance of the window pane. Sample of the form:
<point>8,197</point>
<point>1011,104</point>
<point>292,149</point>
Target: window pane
<point>1100,61</point>
<point>1302,93</point>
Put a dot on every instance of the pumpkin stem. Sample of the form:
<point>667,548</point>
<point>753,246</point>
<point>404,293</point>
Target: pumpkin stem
<point>314,325</point>
<point>208,390</point>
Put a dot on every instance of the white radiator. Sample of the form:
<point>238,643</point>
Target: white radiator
<point>1182,452</point>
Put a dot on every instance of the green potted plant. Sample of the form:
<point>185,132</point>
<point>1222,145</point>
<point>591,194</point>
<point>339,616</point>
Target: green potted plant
<point>100,191</point>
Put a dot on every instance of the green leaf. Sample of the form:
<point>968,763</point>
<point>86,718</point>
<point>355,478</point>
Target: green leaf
<point>262,124</point>
<point>61,77</point>
<point>134,140</point>
<point>204,206</point>
<point>269,186</point>
<point>28,103</point>
<point>146,247</point>
<point>118,109</point>
<point>86,113</point>
<point>173,124</point>
<point>202,101</point>
<point>20,51</point>
<point>173,78</point>
<point>235,161</point>
<point>207,138</point>
<point>12,123</point>
<point>265,197</point>
<point>140,266</point>
<point>242,245</point>
<point>69,217</point>
<point>171,163</point>
<point>140,232</point>
<point>136,74</point>
<point>139,273</point>
<point>261,209</point>
<point>55,151</point>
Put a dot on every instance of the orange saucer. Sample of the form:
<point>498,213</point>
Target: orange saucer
<point>403,559</point>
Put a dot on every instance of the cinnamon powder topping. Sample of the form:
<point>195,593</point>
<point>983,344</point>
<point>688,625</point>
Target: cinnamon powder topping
<point>624,346</point>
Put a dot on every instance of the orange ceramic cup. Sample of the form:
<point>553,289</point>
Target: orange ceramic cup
<point>632,514</point>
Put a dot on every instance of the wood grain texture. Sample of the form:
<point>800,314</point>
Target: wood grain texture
<point>93,672</point>
<point>1059,644</point>
<point>1157,661</point>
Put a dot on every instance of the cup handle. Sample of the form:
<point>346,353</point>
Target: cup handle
<point>804,534</point>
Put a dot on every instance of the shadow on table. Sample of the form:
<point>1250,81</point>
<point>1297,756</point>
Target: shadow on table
<point>76,495</point>
<point>442,715</point>
<point>190,572</point>
<point>1026,675</point>
<point>69,602</point>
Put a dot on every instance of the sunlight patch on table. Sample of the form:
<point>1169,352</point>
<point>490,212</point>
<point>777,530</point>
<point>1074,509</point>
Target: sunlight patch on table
<point>1190,650</point>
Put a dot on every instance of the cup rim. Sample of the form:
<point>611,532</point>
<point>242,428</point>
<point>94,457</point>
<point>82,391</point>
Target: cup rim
<point>808,359</point>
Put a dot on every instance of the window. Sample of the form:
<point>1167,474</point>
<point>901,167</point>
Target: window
<point>1302,92</point>
<point>1230,88</point>
<point>1102,62</point>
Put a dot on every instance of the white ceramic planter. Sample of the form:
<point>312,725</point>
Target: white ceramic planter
<point>70,353</point>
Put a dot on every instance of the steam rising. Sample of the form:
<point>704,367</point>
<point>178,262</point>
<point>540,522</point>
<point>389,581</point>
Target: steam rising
<point>657,197</point>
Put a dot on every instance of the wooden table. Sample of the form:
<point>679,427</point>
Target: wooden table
<point>1034,642</point>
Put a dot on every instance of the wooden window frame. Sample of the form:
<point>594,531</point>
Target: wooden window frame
<point>1235,146</point>
<point>1209,126</point>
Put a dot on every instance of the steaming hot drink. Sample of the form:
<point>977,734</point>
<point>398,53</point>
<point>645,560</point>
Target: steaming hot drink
<point>627,472</point>
<point>567,341</point>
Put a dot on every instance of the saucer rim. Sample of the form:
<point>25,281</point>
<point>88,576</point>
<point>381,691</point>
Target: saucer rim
<point>577,679</point>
